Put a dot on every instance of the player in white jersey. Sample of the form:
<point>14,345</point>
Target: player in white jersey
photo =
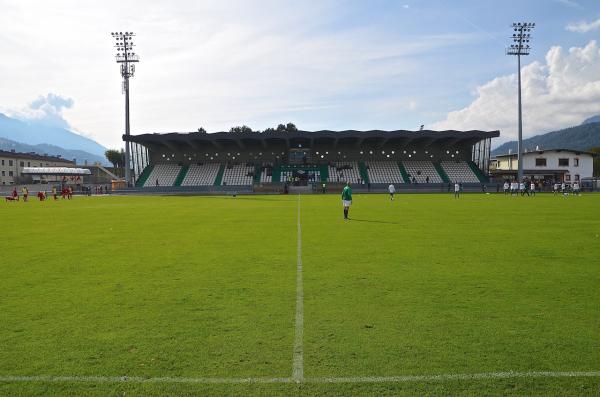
<point>392,190</point>
<point>576,189</point>
<point>522,188</point>
<point>532,188</point>
<point>456,190</point>
<point>506,186</point>
<point>563,189</point>
<point>555,191</point>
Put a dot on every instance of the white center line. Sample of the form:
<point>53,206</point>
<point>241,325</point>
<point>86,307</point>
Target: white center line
<point>298,365</point>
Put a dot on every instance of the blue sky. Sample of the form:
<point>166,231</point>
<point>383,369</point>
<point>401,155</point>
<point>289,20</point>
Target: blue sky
<point>322,64</point>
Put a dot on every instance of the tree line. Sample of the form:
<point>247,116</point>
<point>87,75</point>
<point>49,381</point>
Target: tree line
<point>289,127</point>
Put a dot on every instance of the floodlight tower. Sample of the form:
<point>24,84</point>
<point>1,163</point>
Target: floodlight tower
<point>127,58</point>
<point>520,46</point>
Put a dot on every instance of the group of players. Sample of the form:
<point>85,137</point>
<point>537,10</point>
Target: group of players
<point>529,188</point>
<point>66,193</point>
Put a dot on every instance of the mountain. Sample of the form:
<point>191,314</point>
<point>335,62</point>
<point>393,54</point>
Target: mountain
<point>33,133</point>
<point>581,137</point>
<point>80,155</point>
<point>593,119</point>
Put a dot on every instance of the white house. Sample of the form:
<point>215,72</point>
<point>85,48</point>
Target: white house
<point>554,164</point>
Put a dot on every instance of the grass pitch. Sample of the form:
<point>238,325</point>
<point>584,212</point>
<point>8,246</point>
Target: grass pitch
<point>205,287</point>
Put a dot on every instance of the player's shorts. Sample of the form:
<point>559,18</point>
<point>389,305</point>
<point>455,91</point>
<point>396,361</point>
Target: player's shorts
<point>347,203</point>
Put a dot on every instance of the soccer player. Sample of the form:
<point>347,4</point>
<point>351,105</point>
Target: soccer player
<point>522,188</point>
<point>392,190</point>
<point>555,191</point>
<point>25,192</point>
<point>506,188</point>
<point>456,190</point>
<point>54,193</point>
<point>346,199</point>
<point>532,187</point>
<point>563,188</point>
<point>576,188</point>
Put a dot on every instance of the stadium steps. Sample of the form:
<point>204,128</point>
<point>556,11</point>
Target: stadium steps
<point>324,172</point>
<point>181,175</point>
<point>257,174</point>
<point>403,172</point>
<point>276,173</point>
<point>441,172</point>
<point>364,174</point>
<point>144,175</point>
<point>219,178</point>
<point>482,178</point>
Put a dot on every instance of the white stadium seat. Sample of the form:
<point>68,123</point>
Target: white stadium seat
<point>166,174</point>
<point>459,171</point>
<point>201,174</point>
<point>384,172</point>
<point>421,170</point>
<point>346,171</point>
<point>238,174</point>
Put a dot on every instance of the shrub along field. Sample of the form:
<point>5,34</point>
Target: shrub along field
<point>427,294</point>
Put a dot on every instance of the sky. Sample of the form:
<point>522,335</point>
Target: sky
<point>322,64</point>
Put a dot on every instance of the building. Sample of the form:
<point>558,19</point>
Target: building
<point>562,165</point>
<point>310,157</point>
<point>12,164</point>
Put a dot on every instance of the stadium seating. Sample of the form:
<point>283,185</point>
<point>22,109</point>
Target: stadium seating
<point>201,174</point>
<point>344,172</point>
<point>384,172</point>
<point>459,171</point>
<point>165,174</point>
<point>238,174</point>
<point>421,170</point>
<point>266,175</point>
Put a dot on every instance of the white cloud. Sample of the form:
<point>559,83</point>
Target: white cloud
<point>583,26</point>
<point>569,3</point>
<point>45,110</point>
<point>211,63</point>
<point>559,93</point>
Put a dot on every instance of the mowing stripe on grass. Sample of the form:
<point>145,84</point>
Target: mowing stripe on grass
<point>298,363</point>
<point>356,379</point>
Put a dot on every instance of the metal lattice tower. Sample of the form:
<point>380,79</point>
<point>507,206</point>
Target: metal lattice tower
<point>520,46</point>
<point>127,59</point>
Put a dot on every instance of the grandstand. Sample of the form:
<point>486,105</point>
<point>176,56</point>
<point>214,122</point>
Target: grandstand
<point>303,158</point>
<point>384,172</point>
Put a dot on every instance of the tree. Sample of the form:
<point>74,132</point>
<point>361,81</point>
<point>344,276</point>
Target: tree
<point>596,149</point>
<point>115,157</point>
<point>242,129</point>
<point>289,127</point>
<point>201,130</point>
<point>269,130</point>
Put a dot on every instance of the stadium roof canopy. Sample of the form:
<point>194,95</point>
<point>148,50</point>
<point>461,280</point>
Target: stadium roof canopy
<point>199,140</point>
<point>66,171</point>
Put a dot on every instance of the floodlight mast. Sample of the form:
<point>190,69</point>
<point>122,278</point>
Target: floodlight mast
<point>127,58</point>
<point>520,46</point>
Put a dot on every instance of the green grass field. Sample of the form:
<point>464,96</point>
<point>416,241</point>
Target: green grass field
<point>192,295</point>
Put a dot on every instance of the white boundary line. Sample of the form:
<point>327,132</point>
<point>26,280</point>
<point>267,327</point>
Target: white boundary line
<point>357,379</point>
<point>298,362</point>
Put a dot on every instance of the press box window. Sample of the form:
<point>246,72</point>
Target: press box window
<point>563,162</point>
<point>540,162</point>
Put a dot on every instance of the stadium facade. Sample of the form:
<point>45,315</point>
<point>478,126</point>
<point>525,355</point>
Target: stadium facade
<point>305,157</point>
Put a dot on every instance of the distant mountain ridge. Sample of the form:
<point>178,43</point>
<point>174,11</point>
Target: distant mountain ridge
<point>32,133</point>
<point>80,156</point>
<point>581,137</point>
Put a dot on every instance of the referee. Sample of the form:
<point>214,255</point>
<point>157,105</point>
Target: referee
<point>346,199</point>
